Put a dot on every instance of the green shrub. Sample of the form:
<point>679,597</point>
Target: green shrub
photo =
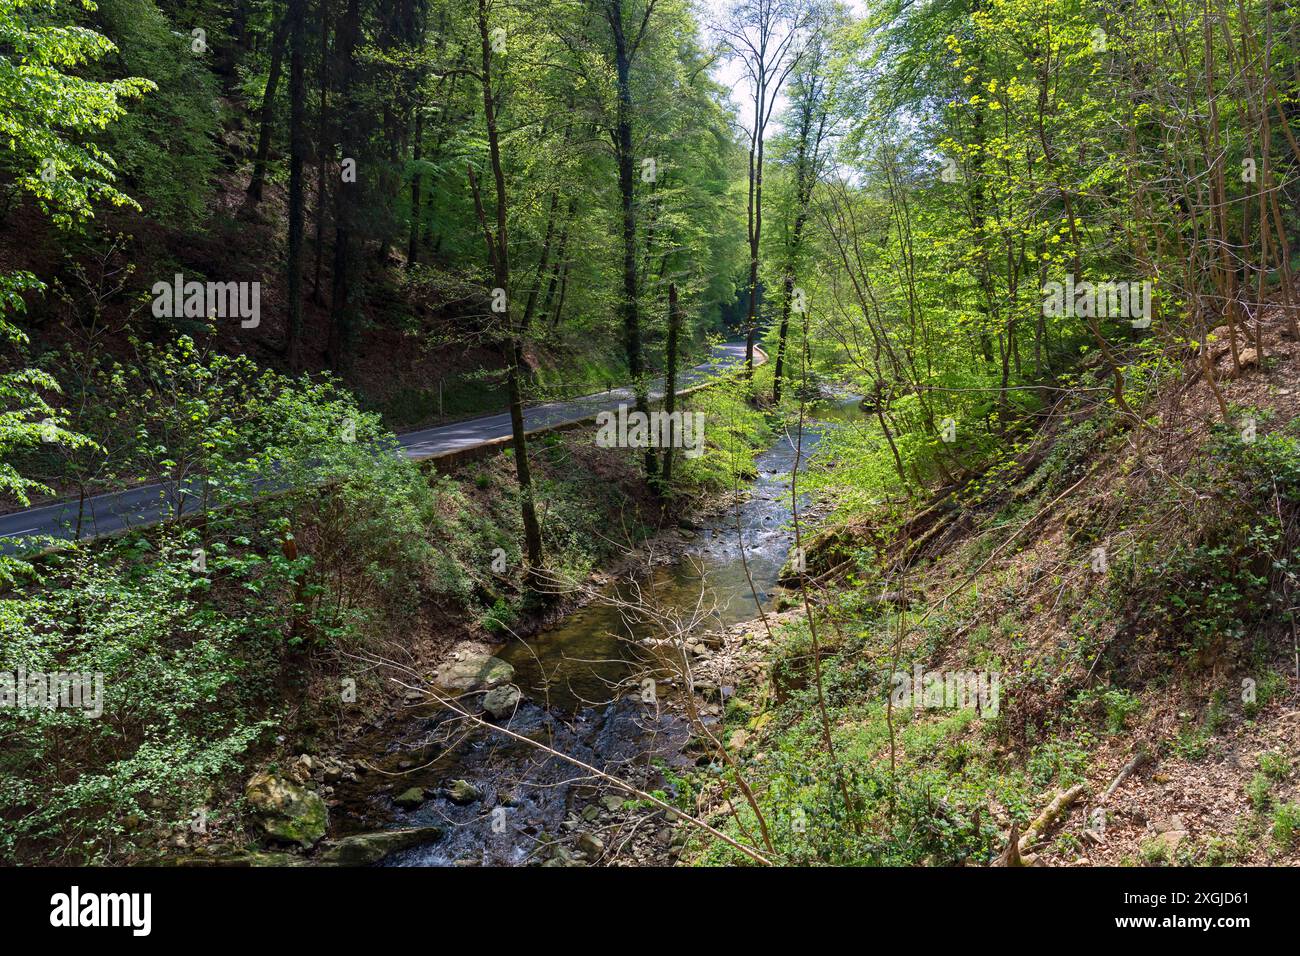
<point>1207,594</point>
<point>1259,791</point>
<point>196,631</point>
<point>1286,823</point>
<point>1154,851</point>
<point>1274,764</point>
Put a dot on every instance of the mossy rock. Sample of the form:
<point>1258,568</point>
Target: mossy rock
<point>286,812</point>
<point>473,672</point>
<point>363,849</point>
<point>410,798</point>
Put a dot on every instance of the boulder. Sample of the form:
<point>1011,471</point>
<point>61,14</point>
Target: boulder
<point>473,672</point>
<point>500,702</point>
<point>463,792</point>
<point>589,844</point>
<point>410,798</point>
<point>363,849</point>
<point>285,811</point>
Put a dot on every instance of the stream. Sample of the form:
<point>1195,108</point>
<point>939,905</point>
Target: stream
<point>582,697</point>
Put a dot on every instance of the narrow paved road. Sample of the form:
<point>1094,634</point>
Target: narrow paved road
<point>151,504</point>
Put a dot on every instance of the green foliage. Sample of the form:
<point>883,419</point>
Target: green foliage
<point>26,417</point>
<point>184,685</point>
<point>733,432</point>
<point>1268,688</point>
<point>1118,705</point>
<point>48,112</point>
<point>1286,824</point>
<point>196,629</point>
<point>1154,851</point>
<point>1274,764</point>
<point>1260,791</point>
<point>930,809</point>
<point>166,148</point>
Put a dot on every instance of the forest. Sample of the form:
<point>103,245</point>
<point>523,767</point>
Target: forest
<point>649,433</point>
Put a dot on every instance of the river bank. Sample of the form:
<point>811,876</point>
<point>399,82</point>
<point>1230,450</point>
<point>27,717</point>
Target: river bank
<point>632,680</point>
<point>669,605</point>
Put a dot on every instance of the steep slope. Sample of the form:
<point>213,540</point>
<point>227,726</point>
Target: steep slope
<point>1110,606</point>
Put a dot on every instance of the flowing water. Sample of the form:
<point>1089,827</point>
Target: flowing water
<point>579,683</point>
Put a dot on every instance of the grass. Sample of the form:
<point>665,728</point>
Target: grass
<point>1286,824</point>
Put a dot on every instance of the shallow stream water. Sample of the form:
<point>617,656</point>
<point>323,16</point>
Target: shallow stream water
<point>579,680</point>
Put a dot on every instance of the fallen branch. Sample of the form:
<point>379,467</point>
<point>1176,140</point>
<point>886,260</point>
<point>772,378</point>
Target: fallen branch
<point>1034,832</point>
<point>1138,760</point>
<point>454,707</point>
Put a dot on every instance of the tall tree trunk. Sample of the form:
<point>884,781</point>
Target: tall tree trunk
<point>413,240</point>
<point>297,142</point>
<point>323,152</point>
<point>561,264</point>
<point>626,186</point>
<point>755,227</point>
<point>268,113</point>
<point>498,248</point>
<point>670,377</point>
<point>805,179</point>
<point>340,340</point>
<point>564,291</point>
<point>543,260</point>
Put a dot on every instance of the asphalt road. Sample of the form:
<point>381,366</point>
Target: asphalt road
<point>147,505</point>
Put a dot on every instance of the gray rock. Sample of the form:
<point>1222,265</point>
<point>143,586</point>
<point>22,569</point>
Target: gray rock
<point>589,844</point>
<point>500,702</point>
<point>473,672</point>
<point>410,798</point>
<point>364,849</point>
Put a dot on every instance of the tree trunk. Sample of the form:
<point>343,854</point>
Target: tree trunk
<point>805,177</point>
<point>323,151</point>
<point>498,248</point>
<point>543,259</point>
<point>623,148</point>
<point>561,265</point>
<point>413,242</point>
<point>754,218</point>
<point>340,340</point>
<point>268,112</point>
<point>297,141</point>
<point>670,377</point>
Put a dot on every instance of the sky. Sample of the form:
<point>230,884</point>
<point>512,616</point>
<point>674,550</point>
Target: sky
<point>731,72</point>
